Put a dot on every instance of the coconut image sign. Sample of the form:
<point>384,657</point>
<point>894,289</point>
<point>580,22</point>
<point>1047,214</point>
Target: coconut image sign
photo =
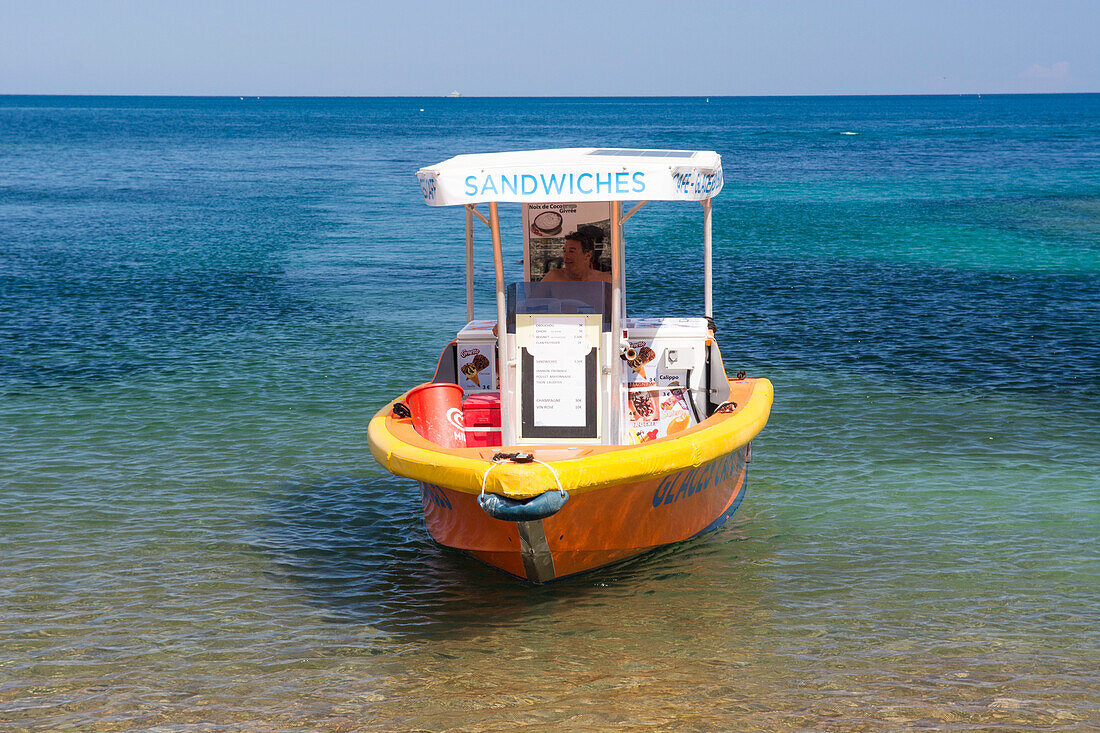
<point>547,226</point>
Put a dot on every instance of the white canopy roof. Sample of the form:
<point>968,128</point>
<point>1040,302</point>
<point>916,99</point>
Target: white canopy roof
<point>573,174</point>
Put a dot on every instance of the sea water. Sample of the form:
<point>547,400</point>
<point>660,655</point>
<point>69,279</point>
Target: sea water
<point>204,301</point>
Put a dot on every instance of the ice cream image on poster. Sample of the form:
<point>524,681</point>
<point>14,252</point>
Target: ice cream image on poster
<point>473,368</point>
<point>643,356</point>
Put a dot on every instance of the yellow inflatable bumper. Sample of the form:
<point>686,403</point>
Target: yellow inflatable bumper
<point>398,448</point>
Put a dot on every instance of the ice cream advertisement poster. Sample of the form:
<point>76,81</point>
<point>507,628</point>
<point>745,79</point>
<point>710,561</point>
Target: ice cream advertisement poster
<point>476,367</point>
<point>657,399</point>
<point>545,227</point>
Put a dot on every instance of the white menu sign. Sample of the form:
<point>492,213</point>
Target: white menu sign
<point>558,383</point>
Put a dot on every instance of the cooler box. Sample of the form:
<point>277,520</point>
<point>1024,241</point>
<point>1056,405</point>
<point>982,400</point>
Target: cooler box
<point>481,415</point>
<point>476,354</point>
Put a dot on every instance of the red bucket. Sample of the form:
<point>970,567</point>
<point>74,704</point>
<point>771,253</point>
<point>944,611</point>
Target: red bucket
<point>436,410</point>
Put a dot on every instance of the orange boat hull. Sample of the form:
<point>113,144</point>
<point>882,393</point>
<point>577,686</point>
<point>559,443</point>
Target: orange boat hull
<point>623,500</point>
<point>594,528</point>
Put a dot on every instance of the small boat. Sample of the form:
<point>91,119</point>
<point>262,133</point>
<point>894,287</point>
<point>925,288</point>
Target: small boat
<point>563,435</point>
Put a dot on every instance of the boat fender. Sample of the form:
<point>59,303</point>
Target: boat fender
<point>542,506</point>
<point>513,510</point>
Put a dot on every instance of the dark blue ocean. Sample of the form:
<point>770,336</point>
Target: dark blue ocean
<point>203,302</point>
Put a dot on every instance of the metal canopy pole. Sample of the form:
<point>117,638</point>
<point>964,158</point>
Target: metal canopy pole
<point>503,354</point>
<point>622,256</point>
<point>469,262</point>
<point>616,321</point>
<point>632,211</point>
<point>498,268</point>
<point>622,250</point>
<point>478,214</point>
<point>707,269</point>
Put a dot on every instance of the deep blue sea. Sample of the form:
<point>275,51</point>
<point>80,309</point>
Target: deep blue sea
<point>203,301</point>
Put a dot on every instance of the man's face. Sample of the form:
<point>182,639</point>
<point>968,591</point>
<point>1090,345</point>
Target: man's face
<point>575,258</point>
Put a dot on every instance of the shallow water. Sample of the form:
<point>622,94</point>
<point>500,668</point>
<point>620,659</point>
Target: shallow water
<point>204,301</point>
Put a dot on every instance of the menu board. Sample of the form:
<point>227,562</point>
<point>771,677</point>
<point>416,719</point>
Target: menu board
<point>558,376</point>
<point>558,372</point>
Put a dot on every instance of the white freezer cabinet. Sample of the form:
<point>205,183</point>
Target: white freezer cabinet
<point>665,383</point>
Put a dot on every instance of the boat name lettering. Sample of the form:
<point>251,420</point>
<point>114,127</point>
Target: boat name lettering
<point>688,483</point>
<point>435,495</point>
<point>428,188</point>
<point>468,352</point>
<point>697,182</point>
<point>527,184</point>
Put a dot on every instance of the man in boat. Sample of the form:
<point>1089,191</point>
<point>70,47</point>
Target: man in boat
<point>579,251</point>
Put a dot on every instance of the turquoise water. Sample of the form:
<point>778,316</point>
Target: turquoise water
<point>205,300</point>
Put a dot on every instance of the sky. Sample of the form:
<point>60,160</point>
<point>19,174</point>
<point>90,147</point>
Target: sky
<point>568,48</point>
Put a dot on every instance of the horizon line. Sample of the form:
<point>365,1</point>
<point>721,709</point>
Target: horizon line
<point>561,96</point>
